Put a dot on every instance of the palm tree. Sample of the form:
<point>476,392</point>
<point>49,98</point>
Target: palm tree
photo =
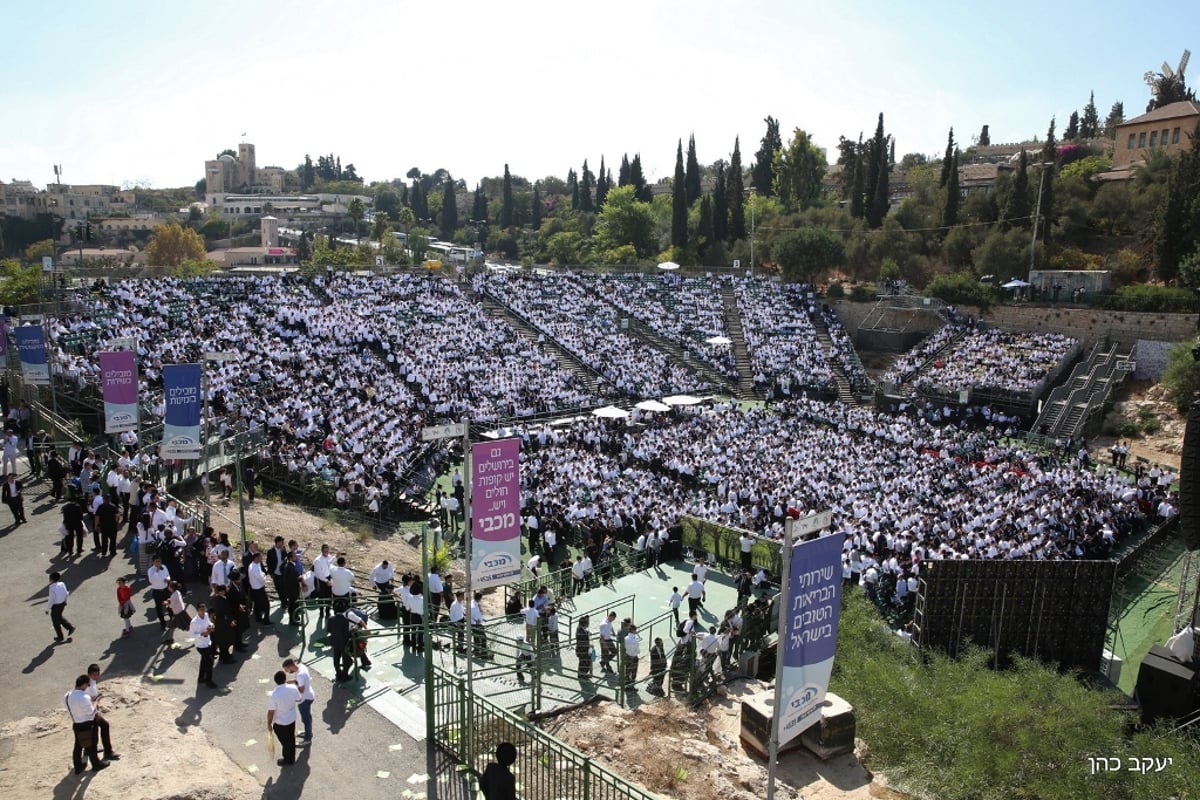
<point>357,210</point>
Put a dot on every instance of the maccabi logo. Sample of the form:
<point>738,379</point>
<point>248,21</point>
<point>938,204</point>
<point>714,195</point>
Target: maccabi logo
<point>122,417</point>
<point>498,560</point>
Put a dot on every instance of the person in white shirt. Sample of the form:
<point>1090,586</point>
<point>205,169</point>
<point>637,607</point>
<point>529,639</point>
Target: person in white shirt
<point>550,537</point>
<point>93,692</point>
<point>531,622</point>
<point>177,607</point>
<point>58,596</point>
<point>709,646</point>
<point>608,645</point>
<point>479,640</point>
<point>256,577</point>
<point>695,594</point>
<point>202,629</point>
<point>436,588</point>
<point>281,717</point>
<point>219,576</point>
<point>579,575</point>
<point>340,579</point>
<point>746,544</point>
<point>303,681</point>
<point>633,651</point>
<point>83,723</point>
<point>457,615</point>
<point>382,575</point>
<point>322,566</point>
<point>700,571</point>
<point>676,601</point>
<point>534,562</point>
<point>416,614</point>
<point>159,577</point>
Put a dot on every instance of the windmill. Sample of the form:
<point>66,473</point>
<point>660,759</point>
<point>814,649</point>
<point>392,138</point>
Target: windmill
<point>1168,86</point>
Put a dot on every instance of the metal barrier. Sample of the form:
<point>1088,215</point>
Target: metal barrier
<point>470,728</point>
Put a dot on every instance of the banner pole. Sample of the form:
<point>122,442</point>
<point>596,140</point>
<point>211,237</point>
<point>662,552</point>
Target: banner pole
<point>468,479</point>
<point>785,578</point>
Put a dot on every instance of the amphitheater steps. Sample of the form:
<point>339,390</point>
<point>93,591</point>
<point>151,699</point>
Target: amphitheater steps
<point>741,354</point>
<point>567,360</point>
<point>845,391</point>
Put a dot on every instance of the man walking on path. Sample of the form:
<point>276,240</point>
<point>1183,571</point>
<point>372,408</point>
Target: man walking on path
<point>281,717</point>
<point>58,603</point>
<point>303,682</point>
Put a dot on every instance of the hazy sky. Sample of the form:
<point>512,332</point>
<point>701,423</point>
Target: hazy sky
<point>146,91</point>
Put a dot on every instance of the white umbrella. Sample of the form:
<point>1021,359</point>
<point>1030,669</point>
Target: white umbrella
<point>681,400</point>
<point>668,265</point>
<point>719,340</point>
<point>1015,283</point>
<point>610,412</point>
<point>652,405</point>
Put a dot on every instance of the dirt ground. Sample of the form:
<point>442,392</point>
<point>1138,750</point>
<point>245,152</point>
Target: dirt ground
<point>35,751</point>
<point>1145,405</point>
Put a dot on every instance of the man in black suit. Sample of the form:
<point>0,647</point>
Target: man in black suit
<point>277,558</point>
<point>288,585</point>
<point>13,495</point>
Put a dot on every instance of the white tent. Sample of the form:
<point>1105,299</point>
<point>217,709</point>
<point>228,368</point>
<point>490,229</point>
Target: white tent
<point>652,405</point>
<point>681,400</point>
<point>1015,283</point>
<point>610,412</point>
<point>668,265</point>
<point>718,340</point>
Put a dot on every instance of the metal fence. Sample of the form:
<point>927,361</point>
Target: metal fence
<point>470,728</point>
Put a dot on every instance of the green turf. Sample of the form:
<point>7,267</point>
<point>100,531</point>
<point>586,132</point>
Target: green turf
<point>1148,608</point>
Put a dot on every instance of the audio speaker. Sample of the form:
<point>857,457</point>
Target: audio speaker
<point>1165,686</point>
<point>1189,480</point>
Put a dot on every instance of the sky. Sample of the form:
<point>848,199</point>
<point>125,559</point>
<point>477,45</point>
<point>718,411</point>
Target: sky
<point>145,91</point>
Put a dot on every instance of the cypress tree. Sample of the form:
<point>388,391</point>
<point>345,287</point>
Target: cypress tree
<point>1177,222</point>
<point>692,182</point>
<point>857,208</point>
<point>882,191</point>
<point>623,171</point>
<point>679,204</point>
<point>603,184</point>
<point>720,206</point>
<point>947,158</point>
<point>737,203</point>
<point>506,201</point>
<point>449,211</point>
<point>985,138</point>
<point>637,179</point>
<point>1046,182</point>
<point>479,209</point>
<point>1089,123</point>
<point>762,174</point>
<point>573,188</point>
<point>536,207</point>
<point>1017,210</point>
<point>875,190</point>
<point>705,230</point>
<point>1072,131</point>
<point>586,185</point>
<point>950,212</point>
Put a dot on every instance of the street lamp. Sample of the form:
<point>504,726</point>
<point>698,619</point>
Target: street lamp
<point>751,196</point>
<point>1037,216</point>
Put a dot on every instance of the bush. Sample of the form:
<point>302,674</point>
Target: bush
<point>1145,297</point>
<point>962,288</point>
<point>835,290</point>
<point>863,293</point>
<point>1182,376</point>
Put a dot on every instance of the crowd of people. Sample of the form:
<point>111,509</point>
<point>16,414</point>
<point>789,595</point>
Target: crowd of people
<point>997,360</point>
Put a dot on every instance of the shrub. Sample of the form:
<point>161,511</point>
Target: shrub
<point>1145,297</point>
<point>835,290</point>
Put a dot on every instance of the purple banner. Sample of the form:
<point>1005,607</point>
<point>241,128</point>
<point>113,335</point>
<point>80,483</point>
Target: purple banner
<point>808,625</point>
<point>118,377</point>
<point>495,513</point>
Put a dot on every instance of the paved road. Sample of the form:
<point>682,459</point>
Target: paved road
<point>353,743</point>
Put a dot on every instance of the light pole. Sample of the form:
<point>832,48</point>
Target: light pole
<point>218,356</point>
<point>750,195</point>
<point>1037,216</point>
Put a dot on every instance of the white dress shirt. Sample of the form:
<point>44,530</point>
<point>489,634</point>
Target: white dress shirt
<point>341,578</point>
<point>381,574</point>
<point>199,629</point>
<point>80,706</point>
<point>158,577</point>
<point>58,593</point>
<point>283,702</point>
<point>255,574</point>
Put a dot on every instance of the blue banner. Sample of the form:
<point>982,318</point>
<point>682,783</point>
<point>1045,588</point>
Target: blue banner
<point>181,425</point>
<point>808,625</point>
<point>31,345</point>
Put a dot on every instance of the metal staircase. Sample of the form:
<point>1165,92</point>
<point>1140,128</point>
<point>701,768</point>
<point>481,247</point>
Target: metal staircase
<point>741,354</point>
<point>1070,407</point>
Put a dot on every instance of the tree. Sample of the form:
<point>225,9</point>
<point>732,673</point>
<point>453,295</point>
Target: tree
<point>1089,123</point>
<point>479,207</point>
<point>985,138</point>
<point>679,204</point>
<point>172,244</point>
<point>950,210</point>
<point>1017,210</point>
<point>1168,87</point>
<point>357,210</point>
<point>625,221</point>
<point>1072,131</point>
<point>586,187</point>
<point>603,184</point>
<point>637,179</point>
<point>535,208</point>
<point>876,188</point>
<point>623,178</point>
<point>449,211</point>
<point>1046,183</point>
<point>734,191</point>
<point>1116,115</point>
<point>720,205</point>
<point>704,230</point>
<point>947,158</point>
<point>762,174</point>
<point>1182,376</point>
<point>506,203</point>
<point>799,172</point>
<point>19,285</point>
<point>692,179</point>
<point>1177,224</point>
<point>380,227</point>
<point>803,254</point>
<point>35,252</point>
<point>857,198</point>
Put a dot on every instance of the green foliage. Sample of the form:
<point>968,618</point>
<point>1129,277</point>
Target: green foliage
<point>1086,168</point>
<point>19,285</point>
<point>194,268</point>
<point>1182,376</point>
<point>835,290</point>
<point>863,293</point>
<point>625,220</point>
<point>799,172</point>
<point>36,251</point>
<point>958,730</point>
<point>804,253</point>
<point>1002,254</point>
<point>963,288</point>
<point>889,270</point>
<point>1152,298</point>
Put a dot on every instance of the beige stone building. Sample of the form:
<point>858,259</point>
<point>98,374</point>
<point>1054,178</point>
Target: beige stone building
<point>1168,128</point>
